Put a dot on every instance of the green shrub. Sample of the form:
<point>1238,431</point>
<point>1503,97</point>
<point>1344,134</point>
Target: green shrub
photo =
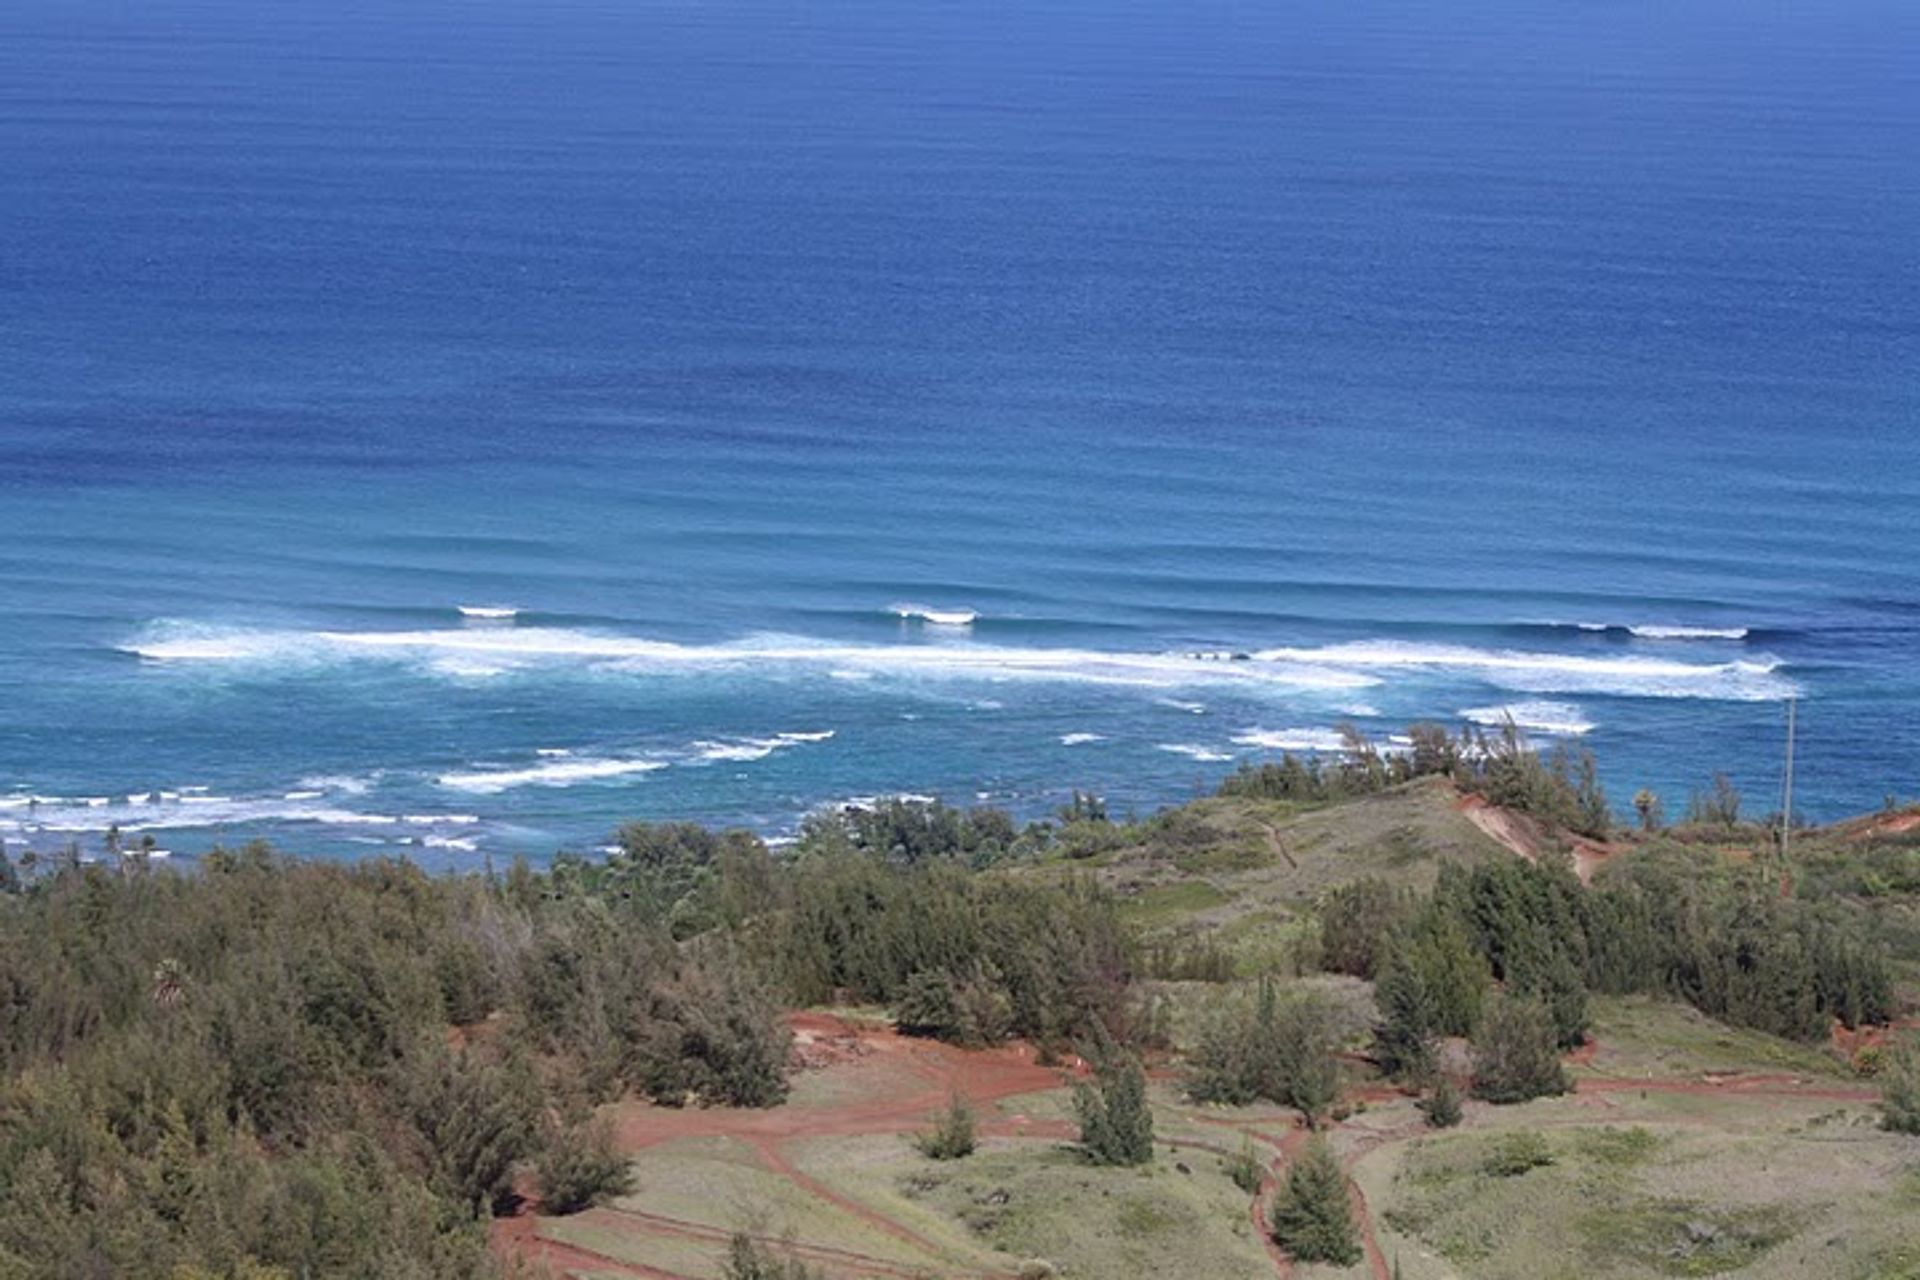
<point>1516,1153</point>
<point>578,1167</point>
<point>1515,1057</point>
<point>1441,1106</point>
<point>952,1136</point>
<point>1312,1218</point>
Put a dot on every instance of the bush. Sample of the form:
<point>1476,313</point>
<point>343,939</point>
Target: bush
<point>1272,1048</point>
<point>1312,1219</point>
<point>1441,1106</point>
<point>747,1259</point>
<point>1515,1057</point>
<point>1244,1167</point>
<point>1116,1124</point>
<point>951,1137</point>
<point>1517,1153</point>
<point>1900,1091</point>
<point>578,1166</point>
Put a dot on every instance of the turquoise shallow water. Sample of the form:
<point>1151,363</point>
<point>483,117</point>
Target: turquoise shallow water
<point>1240,370</point>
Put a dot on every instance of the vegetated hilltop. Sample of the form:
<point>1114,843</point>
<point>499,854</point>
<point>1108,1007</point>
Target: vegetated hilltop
<point>1352,1015</point>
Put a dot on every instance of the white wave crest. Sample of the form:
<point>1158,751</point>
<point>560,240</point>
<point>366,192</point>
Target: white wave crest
<point>1080,739</point>
<point>1689,633</point>
<point>744,749</point>
<point>490,781</point>
<point>1292,740</point>
<point>166,811</point>
<point>489,612</point>
<point>1627,675</point>
<point>1193,751</point>
<point>1556,718</point>
<point>936,617</point>
<point>507,649</point>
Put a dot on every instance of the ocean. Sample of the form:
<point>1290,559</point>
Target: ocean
<point>454,429</point>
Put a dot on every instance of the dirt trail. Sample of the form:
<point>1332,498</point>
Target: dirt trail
<point>933,1072</point>
<point>1526,836</point>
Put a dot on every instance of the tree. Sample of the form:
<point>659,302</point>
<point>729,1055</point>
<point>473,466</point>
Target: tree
<point>1514,1052</point>
<point>1356,921</point>
<point>1441,1106</point>
<point>1312,1218</point>
<point>1116,1124</point>
<point>951,1137</point>
<point>748,1259</point>
<point>1652,812</point>
<point>577,1166</point>
<point>1900,1091</point>
<point>1304,1037</point>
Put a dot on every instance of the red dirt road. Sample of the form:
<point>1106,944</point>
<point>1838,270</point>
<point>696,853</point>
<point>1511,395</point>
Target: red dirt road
<point>911,1079</point>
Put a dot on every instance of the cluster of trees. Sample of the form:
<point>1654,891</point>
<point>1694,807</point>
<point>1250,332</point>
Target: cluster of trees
<point>1722,940</point>
<point>1116,1120</point>
<point>1561,788</point>
<point>275,1069</point>
<point>1274,1048</point>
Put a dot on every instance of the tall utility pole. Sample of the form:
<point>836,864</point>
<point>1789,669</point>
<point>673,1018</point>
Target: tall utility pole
<point>1786,803</point>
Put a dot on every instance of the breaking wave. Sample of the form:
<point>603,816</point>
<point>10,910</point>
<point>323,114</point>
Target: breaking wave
<point>1555,718</point>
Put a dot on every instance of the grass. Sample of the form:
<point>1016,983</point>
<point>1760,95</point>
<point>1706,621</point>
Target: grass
<point>1641,1036</point>
<point>1672,1186</point>
<point>1034,1201</point>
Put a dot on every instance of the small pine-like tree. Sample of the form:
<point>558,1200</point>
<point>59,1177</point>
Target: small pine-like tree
<point>1900,1091</point>
<point>1116,1124</point>
<point>1312,1218</point>
<point>577,1166</point>
<point>1441,1106</point>
<point>1515,1054</point>
<point>952,1136</point>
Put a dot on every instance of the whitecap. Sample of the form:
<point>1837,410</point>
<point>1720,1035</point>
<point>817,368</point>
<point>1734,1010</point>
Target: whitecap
<point>1554,718</point>
<point>1193,751</point>
<point>461,843</point>
<point>304,795</point>
<point>1626,675</point>
<point>515,647</point>
<point>488,781</point>
<point>933,616</point>
<point>488,612</point>
<point>1293,740</point>
<point>1689,633</point>
<point>1080,739</point>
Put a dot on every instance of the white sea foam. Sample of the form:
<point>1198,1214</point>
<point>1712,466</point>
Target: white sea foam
<point>1194,751</point>
<point>1627,675</point>
<point>1191,708</point>
<point>936,617</point>
<point>462,843</point>
<point>1690,633</point>
<point>1362,709</point>
<point>172,811</point>
<point>489,781</point>
<point>1556,718</point>
<point>505,649</point>
<point>334,782</point>
<point>1292,740</point>
<point>489,612</point>
<point>1336,667</point>
<point>552,752</point>
<point>743,749</point>
<point>1080,739</point>
<point>304,795</point>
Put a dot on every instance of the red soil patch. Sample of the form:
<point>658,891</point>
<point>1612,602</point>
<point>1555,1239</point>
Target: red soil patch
<point>1528,837</point>
<point>902,1083</point>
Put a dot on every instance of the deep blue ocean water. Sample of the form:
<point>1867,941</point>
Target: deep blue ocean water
<point>1417,353</point>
